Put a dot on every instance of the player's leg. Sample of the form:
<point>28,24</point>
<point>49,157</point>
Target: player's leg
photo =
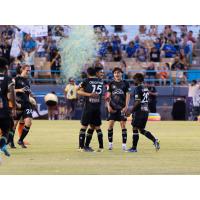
<point>141,126</point>
<point>4,126</point>
<point>110,134</point>
<point>100,138</point>
<point>25,131</point>
<point>82,137</point>
<point>89,135</point>
<point>124,134</point>
<point>85,121</point>
<point>151,137</point>
<point>135,122</point>
<point>11,134</point>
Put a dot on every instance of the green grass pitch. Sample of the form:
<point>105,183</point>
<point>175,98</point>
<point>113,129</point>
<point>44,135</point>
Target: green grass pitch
<point>53,150</point>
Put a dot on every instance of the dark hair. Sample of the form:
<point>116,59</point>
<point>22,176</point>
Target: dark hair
<point>18,69</point>
<point>117,69</point>
<point>167,65</point>
<point>98,68</point>
<point>91,71</point>
<point>139,77</point>
<point>3,64</point>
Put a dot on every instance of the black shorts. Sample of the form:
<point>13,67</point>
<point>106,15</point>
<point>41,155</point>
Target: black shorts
<point>91,117</point>
<point>139,119</point>
<point>5,126</point>
<point>25,113</point>
<point>117,116</point>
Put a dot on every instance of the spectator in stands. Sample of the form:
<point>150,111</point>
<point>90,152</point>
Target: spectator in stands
<point>187,46</point>
<point>153,30</point>
<point>177,65</point>
<point>124,42</point>
<point>158,43</point>
<point>151,72</point>
<point>117,55</point>
<point>176,40</point>
<point>183,58</point>
<point>40,51</point>
<point>28,51</point>
<point>190,37</point>
<point>141,54</point>
<point>168,31</point>
<point>154,55</point>
<point>163,74</point>
<point>130,50</point>
<point>55,65</point>
<point>71,98</point>
<point>116,42</point>
<point>169,49</point>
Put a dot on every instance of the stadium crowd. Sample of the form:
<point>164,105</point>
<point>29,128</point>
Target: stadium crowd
<point>156,53</point>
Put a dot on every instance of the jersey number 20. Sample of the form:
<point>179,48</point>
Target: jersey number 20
<point>145,97</point>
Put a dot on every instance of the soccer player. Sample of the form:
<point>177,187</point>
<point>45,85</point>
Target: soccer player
<point>6,86</point>
<point>140,113</point>
<point>117,103</point>
<point>23,92</point>
<point>90,131</point>
<point>92,89</point>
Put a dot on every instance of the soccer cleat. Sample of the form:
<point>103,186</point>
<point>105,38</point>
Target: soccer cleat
<point>12,145</point>
<point>132,150</point>
<point>5,151</point>
<point>100,150</point>
<point>157,144</point>
<point>21,143</point>
<point>110,146</point>
<point>88,149</point>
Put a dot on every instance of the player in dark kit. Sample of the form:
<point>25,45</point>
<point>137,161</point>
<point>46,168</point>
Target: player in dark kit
<point>140,113</point>
<point>23,92</point>
<point>92,89</point>
<point>90,130</point>
<point>6,86</point>
<point>117,102</point>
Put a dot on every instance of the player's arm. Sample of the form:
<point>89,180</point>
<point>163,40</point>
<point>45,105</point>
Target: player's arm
<point>12,97</point>
<point>108,95</point>
<point>128,96</point>
<point>127,102</point>
<point>81,92</point>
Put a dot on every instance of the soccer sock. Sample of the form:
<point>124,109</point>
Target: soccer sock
<point>24,133</point>
<point>100,138</point>
<point>3,142</point>
<point>89,137</point>
<point>124,136</point>
<point>110,135</point>
<point>82,138</point>
<point>11,137</point>
<point>135,138</point>
<point>148,135</point>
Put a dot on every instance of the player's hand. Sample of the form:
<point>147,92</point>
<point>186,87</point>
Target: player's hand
<point>94,94</point>
<point>124,110</point>
<point>128,113</point>
<point>110,110</point>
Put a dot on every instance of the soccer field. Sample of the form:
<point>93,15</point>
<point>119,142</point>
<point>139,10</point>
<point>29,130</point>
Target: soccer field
<point>53,150</point>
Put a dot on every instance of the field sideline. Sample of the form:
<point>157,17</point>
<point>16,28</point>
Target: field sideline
<point>54,143</point>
